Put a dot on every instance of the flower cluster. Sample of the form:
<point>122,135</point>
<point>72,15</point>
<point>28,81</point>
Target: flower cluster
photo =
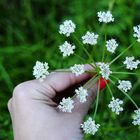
<point>131,63</point>
<point>81,94</point>
<point>89,126</point>
<point>99,70</point>
<point>115,105</point>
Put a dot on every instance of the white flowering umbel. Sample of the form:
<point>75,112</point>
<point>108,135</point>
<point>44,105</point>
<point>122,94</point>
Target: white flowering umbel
<point>104,70</point>
<point>66,105</point>
<point>67,28</point>
<point>105,17</point>
<point>124,85</point>
<point>136,117</point>
<point>137,32</point>
<point>115,105</point>
<point>66,49</point>
<point>131,63</point>
<point>89,126</point>
<point>90,38</point>
<point>77,69</point>
<point>81,94</point>
<point>111,45</point>
<point>40,70</point>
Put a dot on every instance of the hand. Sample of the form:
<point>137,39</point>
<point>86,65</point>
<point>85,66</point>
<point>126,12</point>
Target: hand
<point>35,115</point>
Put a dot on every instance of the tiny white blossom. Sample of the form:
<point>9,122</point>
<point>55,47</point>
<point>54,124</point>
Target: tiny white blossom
<point>115,105</point>
<point>67,28</point>
<point>90,38</point>
<point>111,45</point>
<point>40,70</point>
<point>137,32</point>
<point>89,126</point>
<point>124,85</point>
<point>67,49</point>
<point>66,105</point>
<point>136,117</point>
<point>131,63</point>
<point>105,17</point>
<point>81,94</point>
<point>104,70</point>
<point>77,69</point>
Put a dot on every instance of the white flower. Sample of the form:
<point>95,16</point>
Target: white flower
<point>114,105</point>
<point>111,45</point>
<point>77,69</point>
<point>67,49</point>
<point>66,105</point>
<point>90,38</point>
<point>40,70</point>
<point>105,17</point>
<point>89,126</point>
<point>136,117</point>
<point>131,63</point>
<point>124,85</point>
<point>67,28</point>
<point>104,70</point>
<point>137,32</point>
<point>81,94</point>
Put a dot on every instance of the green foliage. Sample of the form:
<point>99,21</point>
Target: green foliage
<point>29,32</point>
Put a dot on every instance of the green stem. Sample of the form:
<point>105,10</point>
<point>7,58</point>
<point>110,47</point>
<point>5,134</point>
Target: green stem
<point>103,55</point>
<point>122,53</point>
<point>109,88</point>
<point>127,95</point>
<point>97,100</point>
<point>129,73</point>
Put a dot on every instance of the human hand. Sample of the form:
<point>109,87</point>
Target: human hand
<point>35,115</point>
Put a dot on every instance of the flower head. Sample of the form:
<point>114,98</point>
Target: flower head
<point>90,38</point>
<point>136,117</point>
<point>115,105</point>
<point>67,49</point>
<point>131,63</point>
<point>67,28</point>
<point>104,70</point>
<point>124,85</point>
<point>77,69</point>
<point>66,105</point>
<point>105,17</point>
<point>111,45</point>
<point>81,94</point>
<point>40,70</point>
<point>137,32</point>
<point>89,126</point>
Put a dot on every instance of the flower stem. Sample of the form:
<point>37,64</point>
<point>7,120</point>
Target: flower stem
<point>122,53</point>
<point>127,95</point>
<point>129,73</point>
<point>103,55</point>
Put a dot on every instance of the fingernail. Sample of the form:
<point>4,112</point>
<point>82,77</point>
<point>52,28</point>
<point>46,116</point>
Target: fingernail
<point>103,83</point>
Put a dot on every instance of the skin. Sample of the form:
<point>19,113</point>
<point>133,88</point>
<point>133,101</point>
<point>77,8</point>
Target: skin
<point>35,115</point>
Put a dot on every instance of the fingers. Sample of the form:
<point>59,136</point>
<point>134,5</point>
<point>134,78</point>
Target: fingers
<point>92,88</point>
<point>59,81</point>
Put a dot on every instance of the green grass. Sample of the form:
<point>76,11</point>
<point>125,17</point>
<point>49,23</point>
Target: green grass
<point>29,32</point>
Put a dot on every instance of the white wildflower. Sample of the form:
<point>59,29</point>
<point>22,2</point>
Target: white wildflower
<point>90,38</point>
<point>89,126</point>
<point>111,45</point>
<point>104,70</point>
<point>81,94</point>
<point>131,63</point>
<point>124,85</point>
<point>77,69</point>
<point>67,49</point>
<point>66,105</point>
<point>40,70</point>
<point>136,117</point>
<point>105,17</point>
<point>114,105</point>
<point>67,28</point>
<point>137,32</point>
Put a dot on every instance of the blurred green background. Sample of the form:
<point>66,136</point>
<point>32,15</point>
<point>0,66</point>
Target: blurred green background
<point>29,32</point>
